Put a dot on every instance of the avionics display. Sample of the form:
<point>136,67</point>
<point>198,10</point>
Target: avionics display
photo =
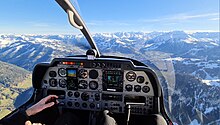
<point>72,73</point>
<point>113,80</point>
<point>72,81</point>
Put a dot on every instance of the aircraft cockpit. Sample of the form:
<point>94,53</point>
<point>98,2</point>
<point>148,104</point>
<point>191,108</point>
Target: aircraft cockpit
<point>92,83</point>
<point>104,83</point>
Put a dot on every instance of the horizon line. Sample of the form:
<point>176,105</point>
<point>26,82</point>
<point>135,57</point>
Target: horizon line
<point>165,31</point>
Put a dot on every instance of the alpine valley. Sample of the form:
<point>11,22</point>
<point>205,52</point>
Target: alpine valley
<point>188,64</point>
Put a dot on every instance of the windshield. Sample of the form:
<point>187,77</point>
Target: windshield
<point>179,40</point>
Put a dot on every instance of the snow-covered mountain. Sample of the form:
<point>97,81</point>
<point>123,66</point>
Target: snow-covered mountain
<point>27,50</point>
<point>190,63</point>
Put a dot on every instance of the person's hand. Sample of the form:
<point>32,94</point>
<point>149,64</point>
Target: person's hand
<point>41,105</point>
<point>108,119</point>
<point>29,123</point>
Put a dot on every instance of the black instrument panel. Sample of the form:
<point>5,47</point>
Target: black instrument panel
<point>100,84</point>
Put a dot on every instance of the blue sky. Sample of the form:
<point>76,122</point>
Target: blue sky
<point>46,17</point>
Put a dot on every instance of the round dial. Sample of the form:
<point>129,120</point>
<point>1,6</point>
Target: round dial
<point>93,85</point>
<point>92,106</point>
<point>131,76</point>
<point>62,83</point>
<point>140,79</point>
<point>129,87</point>
<point>52,74</point>
<point>137,88</point>
<point>53,82</point>
<point>76,94</point>
<point>69,103</point>
<point>146,89</point>
<point>83,73</point>
<point>83,84</point>
<point>62,72</point>
<point>70,93</point>
<point>77,104</point>
<point>93,74</point>
<point>84,105</point>
<point>85,96</point>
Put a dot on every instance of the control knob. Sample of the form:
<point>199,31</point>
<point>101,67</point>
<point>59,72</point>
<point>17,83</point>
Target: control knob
<point>128,87</point>
<point>85,96</point>
<point>137,88</point>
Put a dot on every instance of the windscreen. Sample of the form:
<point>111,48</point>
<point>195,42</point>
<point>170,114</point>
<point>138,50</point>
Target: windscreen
<point>179,40</point>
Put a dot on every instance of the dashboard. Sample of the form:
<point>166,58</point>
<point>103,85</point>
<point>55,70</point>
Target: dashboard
<point>103,83</point>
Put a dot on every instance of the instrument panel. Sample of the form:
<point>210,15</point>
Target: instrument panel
<point>101,84</point>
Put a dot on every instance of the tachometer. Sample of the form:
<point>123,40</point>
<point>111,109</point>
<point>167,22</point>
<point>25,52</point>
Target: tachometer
<point>93,85</point>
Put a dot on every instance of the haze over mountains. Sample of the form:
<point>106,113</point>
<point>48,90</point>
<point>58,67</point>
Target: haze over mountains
<point>190,63</point>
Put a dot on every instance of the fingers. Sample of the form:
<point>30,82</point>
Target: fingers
<point>38,108</point>
<point>106,112</point>
<point>44,100</point>
<point>28,123</point>
<point>48,105</point>
<point>57,101</point>
<point>37,124</point>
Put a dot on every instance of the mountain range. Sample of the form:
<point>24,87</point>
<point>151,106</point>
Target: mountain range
<point>189,63</point>
<point>14,81</point>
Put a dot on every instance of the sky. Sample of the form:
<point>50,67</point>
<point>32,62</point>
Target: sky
<point>47,17</point>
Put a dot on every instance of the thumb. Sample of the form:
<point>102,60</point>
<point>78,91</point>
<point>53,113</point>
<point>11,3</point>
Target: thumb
<point>28,123</point>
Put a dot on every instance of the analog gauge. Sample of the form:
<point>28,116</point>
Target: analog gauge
<point>70,93</point>
<point>62,72</point>
<point>69,103</point>
<point>83,84</point>
<point>84,105</point>
<point>137,88</point>
<point>93,74</point>
<point>52,74</point>
<point>85,96</point>
<point>83,73</point>
<point>93,85</point>
<point>53,82</point>
<point>129,87</point>
<point>76,94</point>
<point>131,76</point>
<point>62,83</point>
<point>92,105</point>
<point>140,79</point>
<point>146,89</point>
<point>77,104</point>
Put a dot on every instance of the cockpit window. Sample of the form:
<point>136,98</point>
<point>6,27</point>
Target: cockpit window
<point>179,40</point>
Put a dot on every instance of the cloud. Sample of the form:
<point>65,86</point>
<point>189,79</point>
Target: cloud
<point>166,20</point>
<point>182,17</point>
<point>196,16</point>
<point>215,19</point>
<point>180,21</point>
<point>39,24</point>
<point>109,23</point>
